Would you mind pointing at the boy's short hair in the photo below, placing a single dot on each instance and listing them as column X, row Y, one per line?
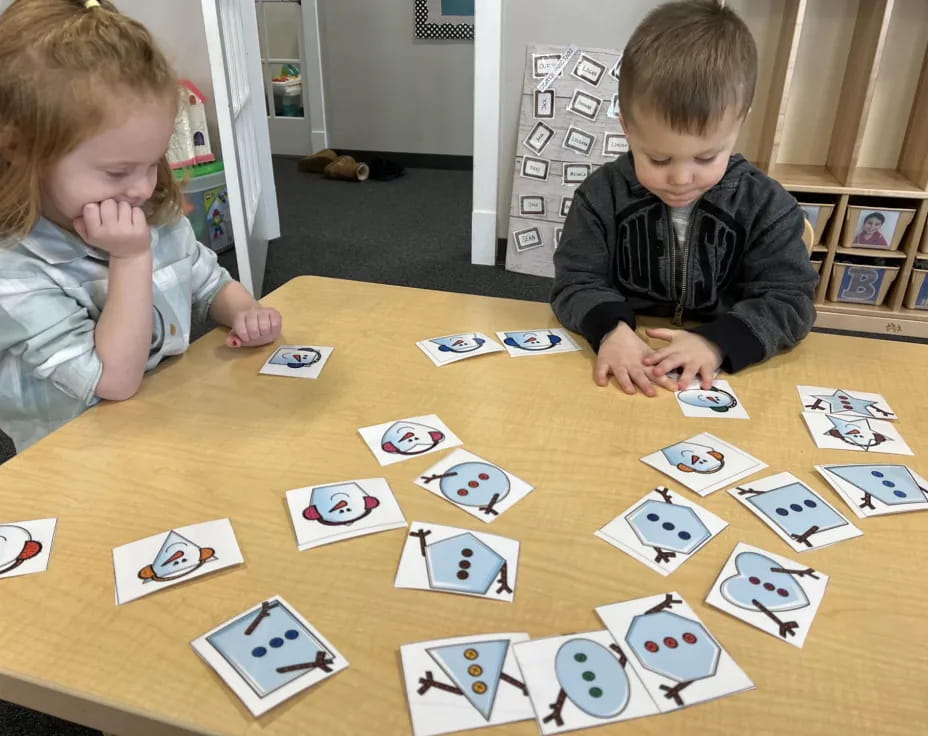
column 876, row 216
column 689, row 62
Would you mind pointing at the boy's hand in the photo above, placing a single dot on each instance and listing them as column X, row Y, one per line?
column 254, row 326
column 689, row 352
column 116, row 227
column 621, row 353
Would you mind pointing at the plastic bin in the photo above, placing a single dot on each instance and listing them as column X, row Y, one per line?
column 818, row 216
column 916, row 295
column 288, row 98
column 208, row 197
column 890, row 222
column 861, row 284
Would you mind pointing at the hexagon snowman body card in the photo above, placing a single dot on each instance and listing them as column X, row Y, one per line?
column 874, row 490
column 451, row 560
column 662, row 530
column 268, row 654
column 671, row 650
column 463, row 683
column 25, row 546
column 581, row 680
column 770, row 592
column 452, row 348
column 393, row 442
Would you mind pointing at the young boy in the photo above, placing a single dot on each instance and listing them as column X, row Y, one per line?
column 679, row 226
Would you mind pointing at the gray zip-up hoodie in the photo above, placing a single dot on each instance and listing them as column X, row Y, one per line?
column 746, row 273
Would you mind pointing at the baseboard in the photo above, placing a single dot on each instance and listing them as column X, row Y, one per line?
column 411, row 160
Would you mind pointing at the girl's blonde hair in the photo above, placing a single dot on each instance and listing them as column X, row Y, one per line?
column 60, row 62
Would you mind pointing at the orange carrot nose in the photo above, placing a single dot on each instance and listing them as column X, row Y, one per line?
column 340, row 505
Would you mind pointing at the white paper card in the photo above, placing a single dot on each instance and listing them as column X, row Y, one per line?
column 799, row 515
column 335, row 511
column 662, row 530
column 580, row 681
column 834, row 432
column 704, row 463
column 452, row 348
column 677, row 659
column 451, row 560
column 846, row 404
column 393, row 442
column 769, row 592
column 545, row 341
column 464, row 682
column 26, row 546
column 480, row 488
column 297, row 361
column 717, row 402
column 874, row 490
column 268, row 654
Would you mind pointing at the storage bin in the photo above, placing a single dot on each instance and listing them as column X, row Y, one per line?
column 881, row 228
column 860, row 284
column 208, row 202
column 817, row 263
column 288, row 98
column 916, row 295
column 818, row 216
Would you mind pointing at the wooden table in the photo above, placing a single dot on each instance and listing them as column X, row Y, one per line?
column 207, row 437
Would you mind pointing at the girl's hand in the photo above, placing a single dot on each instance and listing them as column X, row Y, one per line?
column 254, row 326
column 116, row 227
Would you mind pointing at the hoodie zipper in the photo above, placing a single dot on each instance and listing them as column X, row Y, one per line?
column 678, row 310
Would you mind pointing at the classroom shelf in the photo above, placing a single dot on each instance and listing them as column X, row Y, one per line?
column 870, row 252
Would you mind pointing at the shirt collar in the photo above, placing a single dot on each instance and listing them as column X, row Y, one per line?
column 55, row 245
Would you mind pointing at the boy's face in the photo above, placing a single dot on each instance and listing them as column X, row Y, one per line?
column 680, row 167
column 871, row 225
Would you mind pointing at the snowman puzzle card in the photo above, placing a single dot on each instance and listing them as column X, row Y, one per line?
column 162, row 560
column 474, row 485
column 393, row 442
column 26, row 546
column 662, row 530
column 463, row 683
column 799, row 516
column 769, row 592
column 296, row 361
column 704, row 463
column 268, row 654
column 848, row 404
column 581, row 680
column 452, row 348
column 451, row 560
column 716, row 402
column 336, row 511
column 874, row 490
column 669, row 648
column 545, row 341
column 833, row 432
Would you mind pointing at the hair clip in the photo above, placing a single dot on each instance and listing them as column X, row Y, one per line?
column 88, row 4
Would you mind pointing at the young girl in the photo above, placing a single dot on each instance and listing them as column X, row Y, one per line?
column 99, row 272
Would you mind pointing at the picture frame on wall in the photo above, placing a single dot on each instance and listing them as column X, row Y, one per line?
column 531, row 204
column 444, row 20
column 535, row 168
column 585, row 105
column 578, row 140
column 589, row 70
column 527, row 239
column 539, row 138
column 544, row 103
column 575, row 173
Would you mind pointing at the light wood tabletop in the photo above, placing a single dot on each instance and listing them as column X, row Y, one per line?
column 208, row 437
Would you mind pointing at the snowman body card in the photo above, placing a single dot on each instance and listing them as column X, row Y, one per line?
column 464, row 682
column 545, row 341
column 717, row 402
column 677, row 659
column 662, row 530
column 704, row 463
column 297, row 361
column 393, row 442
column 474, row 485
column 451, row 560
column 268, row 654
column 846, row 404
column 769, row 592
column 835, row 432
column 452, row 348
column 874, row 490
column 799, row 515
column 163, row 560
column 26, row 546
column 335, row 511
column 580, row 681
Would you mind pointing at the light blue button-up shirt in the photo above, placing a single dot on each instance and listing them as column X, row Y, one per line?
column 52, row 290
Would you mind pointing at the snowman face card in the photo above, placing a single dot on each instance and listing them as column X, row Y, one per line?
column 847, row 404
column 769, row 592
column 581, row 680
column 874, row 490
column 160, row 561
column 799, row 516
column 717, row 402
column 473, row 485
column 297, row 361
column 835, row 432
column 662, row 530
column 704, row 463
column 451, row 560
column 336, row 511
column 393, row 442
column 538, row 342
column 268, row 654
column 452, row 348
column 463, row 683
column 25, row 546
column 671, row 650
